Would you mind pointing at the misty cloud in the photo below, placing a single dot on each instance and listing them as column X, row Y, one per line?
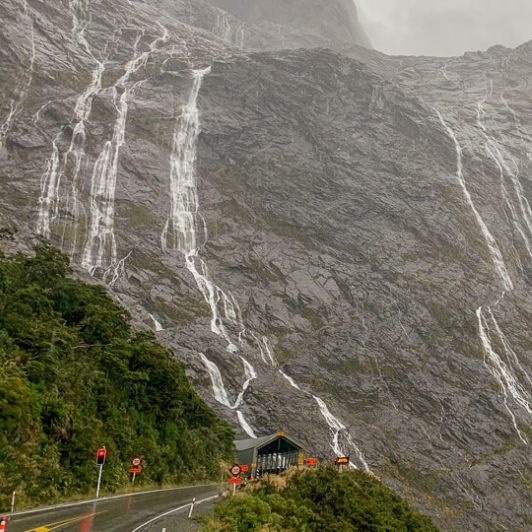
column 445, row 27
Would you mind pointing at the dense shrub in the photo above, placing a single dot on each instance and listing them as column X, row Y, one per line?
column 319, row 500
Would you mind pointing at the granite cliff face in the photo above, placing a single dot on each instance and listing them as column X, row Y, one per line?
column 335, row 242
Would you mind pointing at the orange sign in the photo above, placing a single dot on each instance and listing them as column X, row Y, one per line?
column 342, row 460
column 234, row 480
column 312, row 461
column 135, row 470
column 244, row 468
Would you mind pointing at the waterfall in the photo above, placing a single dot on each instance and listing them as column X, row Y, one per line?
column 493, row 248
column 100, row 248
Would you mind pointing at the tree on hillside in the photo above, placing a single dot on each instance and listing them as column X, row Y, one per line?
column 75, row 376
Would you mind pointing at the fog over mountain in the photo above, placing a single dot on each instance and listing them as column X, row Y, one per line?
column 443, row 27
column 336, row 243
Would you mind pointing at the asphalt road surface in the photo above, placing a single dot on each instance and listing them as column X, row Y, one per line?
column 122, row 514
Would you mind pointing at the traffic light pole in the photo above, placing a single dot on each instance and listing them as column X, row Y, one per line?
column 99, row 481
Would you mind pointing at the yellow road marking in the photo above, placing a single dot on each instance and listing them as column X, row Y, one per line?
column 59, row 524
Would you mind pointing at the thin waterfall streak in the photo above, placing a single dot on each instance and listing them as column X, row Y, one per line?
column 183, row 220
column 219, row 390
column 509, row 203
column 116, row 271
column 336, row 427
column 245, row 425
column 70, row 203
column 499, row 155
column 358, row 453
column 501, row 373
column 156, row 323
column 49, row 196
column 218, row 387
column 250, row 375
column 181, row 228
column 266, row 353
column 511, row 355
column 493, row 247
column 518, row 122
column 211, row 293
column 292, row 382
column 81, row 17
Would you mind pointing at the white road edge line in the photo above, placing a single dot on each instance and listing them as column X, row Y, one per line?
column 101, row 499
column 171, row 512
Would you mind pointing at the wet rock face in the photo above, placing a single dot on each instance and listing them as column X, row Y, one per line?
column 336, row 243
column 333, row 19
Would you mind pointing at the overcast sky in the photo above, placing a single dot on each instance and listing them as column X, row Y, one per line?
column 444, row 27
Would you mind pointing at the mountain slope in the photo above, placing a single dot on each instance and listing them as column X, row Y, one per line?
column 335, row 242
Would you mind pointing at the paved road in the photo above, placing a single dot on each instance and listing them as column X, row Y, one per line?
column 122, row 514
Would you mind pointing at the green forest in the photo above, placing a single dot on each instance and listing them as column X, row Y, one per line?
column 318, row 500
column 74, row 377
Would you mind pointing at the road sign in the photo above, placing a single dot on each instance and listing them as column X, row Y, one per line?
column 235, row 470
column 301, row 458
column 253, row 465
column 136, row 461
column 342, row 460
column 235, row 480
column 312, row 461
column 244, row 468
column 135, row 470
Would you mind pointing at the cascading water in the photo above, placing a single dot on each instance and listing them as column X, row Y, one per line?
column 503, row 371
column 156, row 323
column 185, row 230
column 503, row 365
column 493, row 247
column 336, row 427
column 185, row 222
column 49, row 198
column 50, row 201
column 100, row 248
column 504, row 162
column 181, row 232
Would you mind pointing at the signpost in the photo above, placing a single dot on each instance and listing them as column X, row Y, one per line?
column 340, row 461
column 312, row 461
column 235, row 470
column 136, row 462
column 300, row 459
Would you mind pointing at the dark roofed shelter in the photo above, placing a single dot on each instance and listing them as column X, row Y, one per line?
column 269, row 454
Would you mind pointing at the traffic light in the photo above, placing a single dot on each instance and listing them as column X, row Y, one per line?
column 100, row 456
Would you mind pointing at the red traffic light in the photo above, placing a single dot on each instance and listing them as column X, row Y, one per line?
column 100, row 456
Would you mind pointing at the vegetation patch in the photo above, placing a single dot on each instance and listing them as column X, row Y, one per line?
column 75, row 377
column 318, row 500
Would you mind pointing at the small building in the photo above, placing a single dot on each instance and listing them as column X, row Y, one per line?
column 269, row 454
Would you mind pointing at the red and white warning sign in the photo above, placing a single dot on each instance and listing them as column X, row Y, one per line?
column 235, row 470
